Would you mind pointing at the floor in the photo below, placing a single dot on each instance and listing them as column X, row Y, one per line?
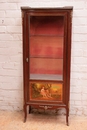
column 40, row 121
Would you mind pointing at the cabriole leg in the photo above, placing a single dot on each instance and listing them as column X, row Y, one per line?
column 25, row 112
column 67, row 115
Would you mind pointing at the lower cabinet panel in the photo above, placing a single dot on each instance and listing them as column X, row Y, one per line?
column 41, row 91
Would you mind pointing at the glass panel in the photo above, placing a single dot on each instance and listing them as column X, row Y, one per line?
column 46, row 91
column 46, row 47
column 47, row 25
column 45, row 68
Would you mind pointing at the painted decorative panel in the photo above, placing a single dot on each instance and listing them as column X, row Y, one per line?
column 46, row 91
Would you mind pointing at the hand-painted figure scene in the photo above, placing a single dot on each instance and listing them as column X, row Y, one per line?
column 43, row 91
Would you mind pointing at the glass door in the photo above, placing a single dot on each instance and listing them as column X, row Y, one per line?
column 46, row 46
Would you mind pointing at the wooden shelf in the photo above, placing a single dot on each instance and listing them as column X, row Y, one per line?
column 45, row 57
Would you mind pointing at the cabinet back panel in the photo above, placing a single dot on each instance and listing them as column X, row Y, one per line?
column 46, row 46
column 46, row 66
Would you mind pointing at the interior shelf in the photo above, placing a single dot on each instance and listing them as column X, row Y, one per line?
column 43, row 35
column 46, row 77
column 45, row 57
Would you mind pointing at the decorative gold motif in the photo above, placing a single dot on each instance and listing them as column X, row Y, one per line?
column 45, row 107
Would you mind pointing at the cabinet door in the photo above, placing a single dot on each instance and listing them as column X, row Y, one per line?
column 47, row 57
column 46, row 47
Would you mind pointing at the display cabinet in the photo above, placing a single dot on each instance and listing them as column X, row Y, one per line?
column 46, row 58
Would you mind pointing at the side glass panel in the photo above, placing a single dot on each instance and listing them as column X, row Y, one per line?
column 46, row 47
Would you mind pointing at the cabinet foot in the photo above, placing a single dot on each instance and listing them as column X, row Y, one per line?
column 67, row 115
column 24, row 120
column 67, row 123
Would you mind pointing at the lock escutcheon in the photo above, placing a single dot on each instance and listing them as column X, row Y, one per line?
column 26, row 59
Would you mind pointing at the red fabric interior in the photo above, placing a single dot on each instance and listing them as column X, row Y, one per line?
column 46, row 42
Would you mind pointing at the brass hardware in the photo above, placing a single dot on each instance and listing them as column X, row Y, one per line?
column 26, row 59
column 45, row 107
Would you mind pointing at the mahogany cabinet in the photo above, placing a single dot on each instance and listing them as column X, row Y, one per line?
column 46, row 57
